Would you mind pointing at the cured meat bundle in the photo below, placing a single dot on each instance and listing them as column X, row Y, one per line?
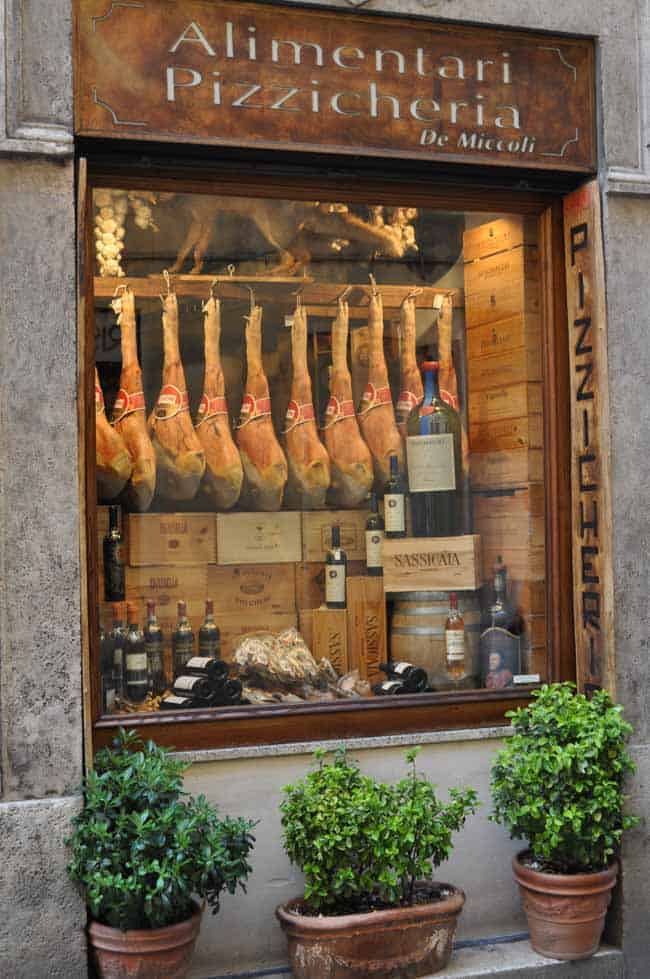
column 179, row 453
column 265, row 467
column 309, row 465
column 224, row 473
column 350, row 459
column 376, row 414
column 129, row 410
column 447, row 373
column 411, row 389
column 114, row 465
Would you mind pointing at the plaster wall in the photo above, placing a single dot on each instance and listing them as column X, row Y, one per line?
column 40, row 682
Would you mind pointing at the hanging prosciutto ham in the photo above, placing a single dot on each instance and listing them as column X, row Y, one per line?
column 128, row 416
column 179, row 454
column 265, row 466
column 309, row 466
column 224, row 473
column 376, row 414
column 114, row 466
column 411, row 389
column 350, row 459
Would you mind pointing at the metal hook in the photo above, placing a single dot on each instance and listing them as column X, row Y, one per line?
column 230, row 269
column 373, row 283
column 168, row 281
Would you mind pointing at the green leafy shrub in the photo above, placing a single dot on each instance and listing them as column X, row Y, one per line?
column 362, row 844
column 558, row 783
column 142, row 848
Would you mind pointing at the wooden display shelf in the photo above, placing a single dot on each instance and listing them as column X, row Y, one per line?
column 319, row 297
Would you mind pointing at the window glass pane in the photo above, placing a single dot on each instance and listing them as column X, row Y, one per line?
column 320, row 461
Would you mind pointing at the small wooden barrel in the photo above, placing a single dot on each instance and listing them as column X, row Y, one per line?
column 418, row 634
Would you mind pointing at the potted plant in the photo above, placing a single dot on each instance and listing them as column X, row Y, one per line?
column 146, row 853
column 367, row 850
column 558, row 783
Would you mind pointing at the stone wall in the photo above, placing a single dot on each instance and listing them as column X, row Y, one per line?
column 40, row 654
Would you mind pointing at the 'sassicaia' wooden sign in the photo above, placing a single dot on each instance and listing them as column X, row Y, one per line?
column 271, row 76
column 593, row 586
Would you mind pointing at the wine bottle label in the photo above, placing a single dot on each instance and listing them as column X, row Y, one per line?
column 374, row 540
column 394, row 513
column 455, row 645
column 199, row 662
column 392, row 686
column 186, row 682
column 430, row 460
column 118, row 657
column 136, row 661
column 109, row 697
column 177, row 701
column 401, row 668
column 334, row 583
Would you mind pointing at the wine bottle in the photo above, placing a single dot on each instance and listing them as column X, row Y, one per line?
column 106, row 672
column 374, row 539
column 455, row 640
column 389, row 688
column 182, row 641
column 197, row 687
column 501, row 631
column 227, row 694
column 136, row 675
column 174, row 702
column 395, row 501
column 414, row 678
column 433, row 455
column 117, row 638
column 336, row 564
column 209, row 635
column 154, row 648
column 215, row 670
column 114, row 589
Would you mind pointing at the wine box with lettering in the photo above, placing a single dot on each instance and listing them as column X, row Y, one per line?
column 330, row 637
column 367, row 642
column 258, row 538
column 502, row 286
column 171, row 538
column 432, row 563
column 499, row 235
column 234, row 626
column 317, row 533
column 252, row 587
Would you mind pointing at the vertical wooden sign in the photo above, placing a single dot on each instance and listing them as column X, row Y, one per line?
column 590, row 482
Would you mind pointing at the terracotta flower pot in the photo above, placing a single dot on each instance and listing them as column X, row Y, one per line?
column 566, row 912
column 147, row 953
column 400, row 943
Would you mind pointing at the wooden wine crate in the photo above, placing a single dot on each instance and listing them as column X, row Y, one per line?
column 496, row 470
column 330, row 637
column 498, row 236
column 252, row 587
column 235, row 625
column 317, row 533
column 432, row 564
column 306, row 626
column 523, row 563
column 310, row 582
column 259, row 538
column 500, row 520
column 509, row 433
column 512, row 502
column 367, row 640
column 504, row 337
column 505, row 401
column 536, row 630
column 171, row 538
column 504, row 368
column 502, row 286
column 529, row 596
column 167, row 585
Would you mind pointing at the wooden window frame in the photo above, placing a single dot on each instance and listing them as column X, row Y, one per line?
column 251, row 725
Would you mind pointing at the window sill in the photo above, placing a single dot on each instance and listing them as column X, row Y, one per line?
column 246, row 726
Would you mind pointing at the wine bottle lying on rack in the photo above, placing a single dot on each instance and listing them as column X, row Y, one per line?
column 173, row 702
column 414, row 678
column 197, row 687
column 389, row 688
column 215, row 670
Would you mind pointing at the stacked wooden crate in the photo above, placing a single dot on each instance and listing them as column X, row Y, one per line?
column 504, row 380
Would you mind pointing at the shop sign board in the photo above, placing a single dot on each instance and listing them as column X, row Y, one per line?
column 277, row 77
column 587, row 325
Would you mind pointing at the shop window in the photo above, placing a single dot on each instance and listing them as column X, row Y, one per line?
column 281, row 383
